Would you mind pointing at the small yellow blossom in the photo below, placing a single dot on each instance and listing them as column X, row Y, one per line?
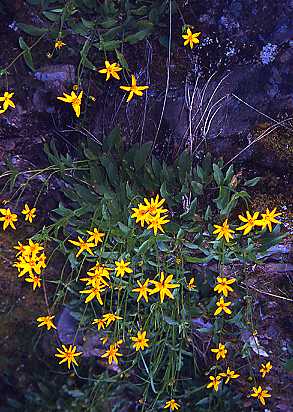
column 223, row 285
column 191, row 38
column 122, row 268
column 35, row 280
column 111, row 70
column 46, row 321
column 191, row 284
column 94, row 292
column 250, row 222
column 154, row 206
column 140, row 341
column 140, row 213
column 260, row 394
column 172, row 405
column 74, row 100
column 156, row 222
column 133, row 89
column 59, row 44
column 104, row 340
column 220, row 352
column 8, row 218
column 100, row 323
column 112, row 354
column 143, row 290
column 268, row 218
column 83, row 245
column 33, row 248
column 222, row 306
column 111, row 317
column 7, row 102
column 215, row 382
column 229, row 374
column 163, row 285
column 265, row 368
column 30, row 214
column 95, row 236
column 224, row 231
column 68, row 355
column 21, row 249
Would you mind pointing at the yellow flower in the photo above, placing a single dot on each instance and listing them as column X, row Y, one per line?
column 191, row 284
column 221, row 351
column 223, row 285
column 268, row 218
column 260, row 394
column 140, row 213
column 215, row 382
column 95, row 236
column 163, row 286
column 222, row 306
column 111, row 70
column 68, row 355
column 265, row 368
column 83, row 245
column 111, row 317
column 94, row 292
column 133, row 89
column 21, row 249
column 30, row 214
column 104, row 340
column 229, row 374
column 59, row 43
column 46, row 321
column 6, row 99
column 223, row 231
column 100, row 323
column 156, row 222
column 28, row 264
column 122, row 268
column 96, row 278
column 143, row 290
column 74, row 100
column 112, row 354
column 172, row 405
column 33, row 248
column 154, row 206
column 250, row 222
column 35, row 280
column 8, row 218
column 190, row 38
column 141, row 342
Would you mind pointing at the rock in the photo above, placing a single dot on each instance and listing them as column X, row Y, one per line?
column 56, row 78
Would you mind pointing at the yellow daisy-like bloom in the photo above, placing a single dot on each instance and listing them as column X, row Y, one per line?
column 95, row 236
column 140, row 341
column 112, row 354
column 74, row 100
column 8, row 218
column 220, row 352
column 154, row 206
column 111, row 317
column 59, row 44
column 7, row 102
column 83, row 245
column 223, row 285
column 46, row 321
column 191, row 284
column 35, row 280
column 222, row 306
column 172, row 405
column 122, row 268
column 30, row 214
column 250, row 222
column 268, row 218
column 143, row 290
column 229, row 374
column 260, row 394
column 21, row 249
column 191, row 38
column 215, row 382
column 133, row 89
column 33, row 248
column 162, row 287
column 224, row 231
column 140, row 214
column 28, row 264
column 111, row 70
column 100, row 323
column 156, row 222
column 68, row 355
column 94, row 292
column 265, row 368
column 104, row 340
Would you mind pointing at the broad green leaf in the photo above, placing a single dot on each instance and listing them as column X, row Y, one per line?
column 27, row 53
column 32, row 30
column 252, row 182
